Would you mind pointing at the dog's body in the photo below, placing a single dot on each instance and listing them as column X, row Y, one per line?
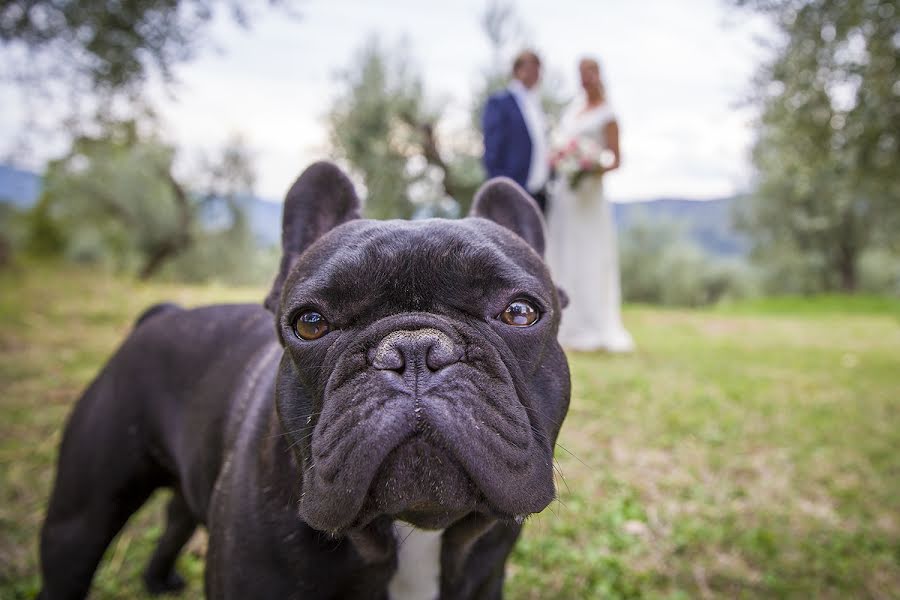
column 381, row 387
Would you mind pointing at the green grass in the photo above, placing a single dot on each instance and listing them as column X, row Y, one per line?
column 825, row 304
column 747, row 451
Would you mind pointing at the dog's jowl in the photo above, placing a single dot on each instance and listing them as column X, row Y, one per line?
column 401, row 383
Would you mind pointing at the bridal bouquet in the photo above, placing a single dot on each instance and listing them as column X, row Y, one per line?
column 579, row 157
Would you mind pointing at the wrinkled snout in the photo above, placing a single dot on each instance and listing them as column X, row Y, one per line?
column 402, row 351
column 422, row 422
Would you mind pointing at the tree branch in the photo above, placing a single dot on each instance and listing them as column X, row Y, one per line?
column 431, row 151
column 180, row 238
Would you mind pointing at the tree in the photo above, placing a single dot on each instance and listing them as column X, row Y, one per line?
column 115, row 44
column 114, row 198
column 97, row 55
column 223, row 245
column 828, row 141
column 385, row 128
column 367, row 131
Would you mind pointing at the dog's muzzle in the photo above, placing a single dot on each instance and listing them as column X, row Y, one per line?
column 402, row 351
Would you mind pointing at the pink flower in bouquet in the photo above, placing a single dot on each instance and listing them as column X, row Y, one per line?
column 556, row 158
column 576, row 159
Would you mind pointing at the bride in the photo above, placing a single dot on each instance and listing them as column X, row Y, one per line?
column 581, row 244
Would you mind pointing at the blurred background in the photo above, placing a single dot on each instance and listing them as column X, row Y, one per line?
column 748, row 449
column 194, row 117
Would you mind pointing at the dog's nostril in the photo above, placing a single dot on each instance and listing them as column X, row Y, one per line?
column 440, row 355
column 428, row 347
column 388, row 359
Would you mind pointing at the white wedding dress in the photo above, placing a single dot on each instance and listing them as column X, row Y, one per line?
column 581, row 247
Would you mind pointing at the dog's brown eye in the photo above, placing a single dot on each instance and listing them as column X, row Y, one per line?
column 520, row 314
column 310, row 325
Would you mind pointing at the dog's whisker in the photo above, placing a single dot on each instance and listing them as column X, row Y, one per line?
column 575, row 457
column 550, row 508
column 299, row 441
column 406, row 537
column 537, row 410
column 558, row 469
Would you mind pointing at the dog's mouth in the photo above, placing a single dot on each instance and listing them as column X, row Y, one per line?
column 426, row 446
column 421, row 483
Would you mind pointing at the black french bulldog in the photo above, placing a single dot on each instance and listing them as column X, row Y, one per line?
column 401, row 375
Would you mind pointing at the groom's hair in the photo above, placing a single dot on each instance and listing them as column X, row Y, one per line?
column 525, row 55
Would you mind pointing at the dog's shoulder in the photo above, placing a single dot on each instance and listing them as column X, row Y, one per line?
column 154, row 310
column 216, row 325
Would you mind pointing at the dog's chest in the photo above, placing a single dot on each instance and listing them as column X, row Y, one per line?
column 418, row 575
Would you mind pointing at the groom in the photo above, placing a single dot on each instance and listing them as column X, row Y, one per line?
column 515, row 130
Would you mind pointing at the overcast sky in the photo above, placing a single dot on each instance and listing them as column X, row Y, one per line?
column 676, row 73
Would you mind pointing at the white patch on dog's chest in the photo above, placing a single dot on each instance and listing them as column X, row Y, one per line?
column 418, row 575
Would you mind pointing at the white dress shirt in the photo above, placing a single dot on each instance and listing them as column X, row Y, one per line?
column 529, row 102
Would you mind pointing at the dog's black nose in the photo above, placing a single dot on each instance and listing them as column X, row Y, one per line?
column 407, row 349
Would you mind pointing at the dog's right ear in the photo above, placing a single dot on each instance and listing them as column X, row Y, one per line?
column 322, row 198
column 503, row 201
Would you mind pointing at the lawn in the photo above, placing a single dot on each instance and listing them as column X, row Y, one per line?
column 747, row 451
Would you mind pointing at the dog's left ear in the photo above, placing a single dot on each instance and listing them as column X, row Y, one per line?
column 322, row 198
column 504, row 202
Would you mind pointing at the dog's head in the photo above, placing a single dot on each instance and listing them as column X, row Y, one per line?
column 421, row 377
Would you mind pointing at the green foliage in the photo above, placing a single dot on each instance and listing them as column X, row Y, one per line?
column 369, row 127
column 786, row 272
column 660, row 265
column 229, row 256
column 743, row 452
column 879, row 272
column 115, row 45
column 223, row 247
column 112, row 200
column 12, row 233
column 385, row 128
column 828, row 143
column 44, row 236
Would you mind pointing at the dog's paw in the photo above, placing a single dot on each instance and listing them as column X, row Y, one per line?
column 170, row 584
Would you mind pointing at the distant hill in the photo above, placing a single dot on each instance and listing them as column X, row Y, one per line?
column 707, row 222
column 19, row 188
column 265, row 221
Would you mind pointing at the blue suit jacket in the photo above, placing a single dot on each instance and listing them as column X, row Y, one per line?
column 507, row 143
